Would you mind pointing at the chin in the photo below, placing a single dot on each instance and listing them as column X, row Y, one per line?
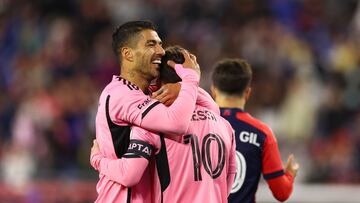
column 155, row 75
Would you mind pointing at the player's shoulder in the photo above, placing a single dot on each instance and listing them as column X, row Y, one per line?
column 255, row 122
column 213, row 116
column 228, row 126
column 122, row 89
column 119, row 85
column 225, row 122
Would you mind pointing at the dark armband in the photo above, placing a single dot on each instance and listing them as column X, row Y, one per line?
column 139, row 148
column 273, row 174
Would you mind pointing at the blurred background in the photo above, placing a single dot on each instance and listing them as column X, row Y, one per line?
column 56, row 57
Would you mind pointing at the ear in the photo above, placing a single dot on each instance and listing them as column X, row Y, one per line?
column 247, row 93
column 213, row 91
column 127, row 54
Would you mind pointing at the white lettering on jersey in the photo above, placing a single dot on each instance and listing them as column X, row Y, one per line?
column 249, row 137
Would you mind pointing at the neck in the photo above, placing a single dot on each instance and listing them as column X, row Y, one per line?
column 136, row 79
column 227, row 101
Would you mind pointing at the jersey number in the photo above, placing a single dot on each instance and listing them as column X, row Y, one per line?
column 204, row 157
column 240, row 172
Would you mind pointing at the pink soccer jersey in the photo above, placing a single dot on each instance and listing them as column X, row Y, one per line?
column 202, row 169
column 205, row 100
column 123, row 104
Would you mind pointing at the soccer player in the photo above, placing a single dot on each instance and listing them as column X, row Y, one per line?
column 124, row 101
column 256, row 146
column 202, row 169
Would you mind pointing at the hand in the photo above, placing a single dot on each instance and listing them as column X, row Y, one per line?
column 95, row 155
column 95, row 149
column 291, row 166
column 190, row 62
column 168, row 93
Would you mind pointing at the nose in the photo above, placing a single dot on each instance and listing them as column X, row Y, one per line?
column 160, row 50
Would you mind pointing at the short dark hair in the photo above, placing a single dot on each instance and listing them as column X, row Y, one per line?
column 167, row 73
column 125, row 34
column 232, row 76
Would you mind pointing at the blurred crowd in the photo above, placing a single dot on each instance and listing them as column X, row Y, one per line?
column 56, row 56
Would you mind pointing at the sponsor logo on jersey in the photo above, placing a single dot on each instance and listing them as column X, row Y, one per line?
column 145, row 103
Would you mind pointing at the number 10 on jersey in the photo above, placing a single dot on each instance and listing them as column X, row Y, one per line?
column 205, row 155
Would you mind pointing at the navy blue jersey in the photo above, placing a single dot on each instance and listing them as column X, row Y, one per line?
column 256, row 152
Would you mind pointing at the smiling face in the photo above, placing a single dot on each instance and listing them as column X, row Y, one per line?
column 147, row 54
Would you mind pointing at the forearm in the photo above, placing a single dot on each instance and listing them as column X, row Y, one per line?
column 125, row 171
column 282, row 186
column 176, row 118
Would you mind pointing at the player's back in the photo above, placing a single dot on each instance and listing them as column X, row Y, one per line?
column 199, row 167
column 253, row 154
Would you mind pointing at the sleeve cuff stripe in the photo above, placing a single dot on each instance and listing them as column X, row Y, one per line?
column 274, row 174
column 149, row 108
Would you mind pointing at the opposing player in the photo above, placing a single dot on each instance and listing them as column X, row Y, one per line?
column 201, row 169
column 256, row 147
column 124, row 101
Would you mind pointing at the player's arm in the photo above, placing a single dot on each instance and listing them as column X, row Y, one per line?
column 280, row 182
column 118, row 170
column 129, row 169
column 282, row 186
column 168, row 93
column 175, row 118
column 139, row 109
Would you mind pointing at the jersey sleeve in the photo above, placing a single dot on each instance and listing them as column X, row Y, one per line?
column 129, row 169
column 205, row 100
column 282, row 186
column 136, row 108
column 280, row 183
column 271, row 160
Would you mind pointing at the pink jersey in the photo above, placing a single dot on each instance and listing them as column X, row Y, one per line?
column 123, row 104
column 202, row 169
column 205, row 100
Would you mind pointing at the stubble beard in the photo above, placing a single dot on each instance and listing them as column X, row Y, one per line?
column 146, row 71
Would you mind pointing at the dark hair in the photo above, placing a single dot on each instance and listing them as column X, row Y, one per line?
column 125, row 34
column 232, row 76
column 167, row 73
